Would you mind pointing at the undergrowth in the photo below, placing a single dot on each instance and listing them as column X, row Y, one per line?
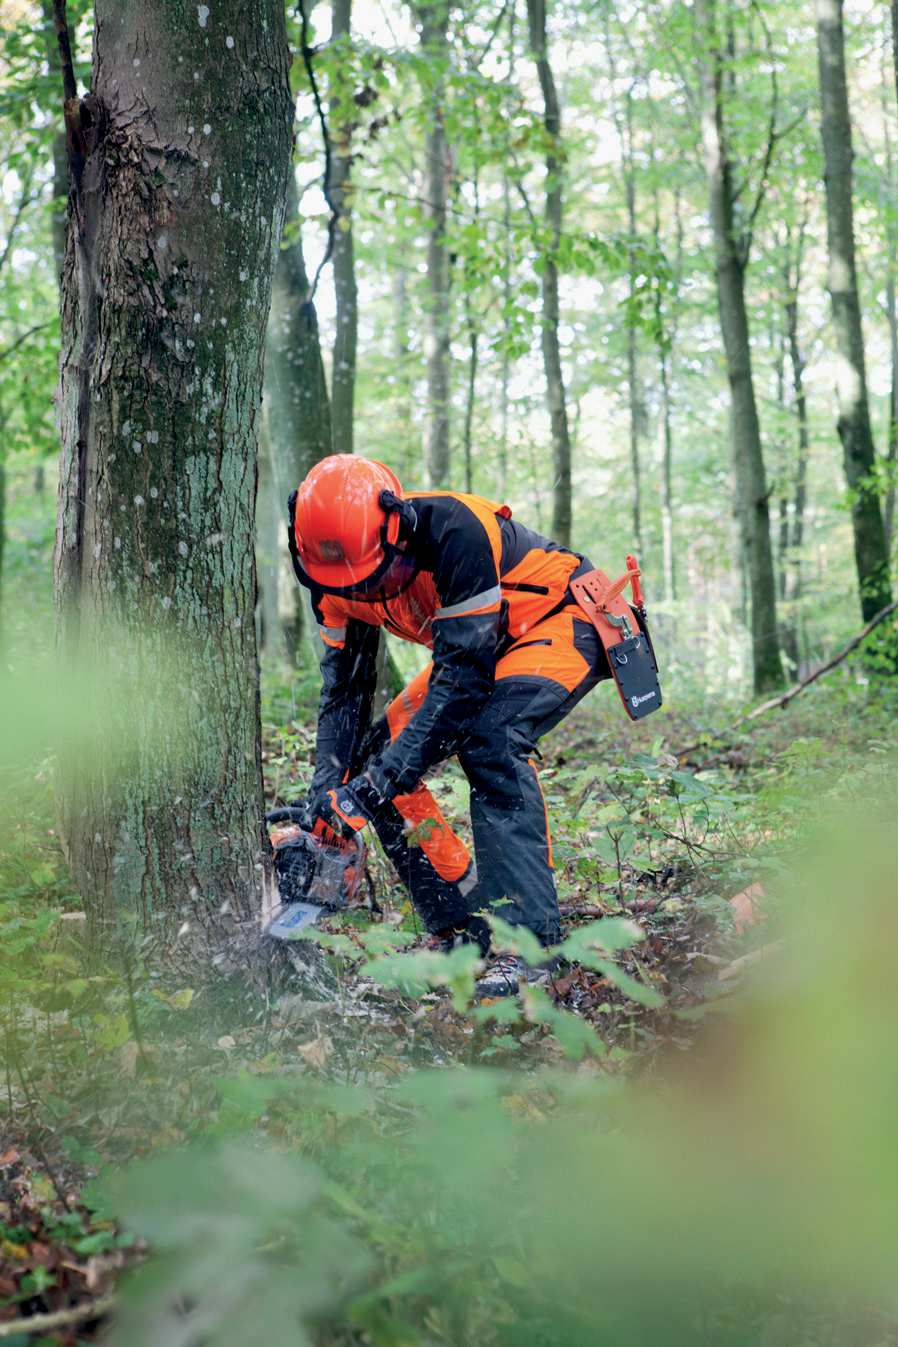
column 333, row 1159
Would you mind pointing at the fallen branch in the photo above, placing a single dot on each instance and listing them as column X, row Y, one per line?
column 786, row 697
column 48, row 1323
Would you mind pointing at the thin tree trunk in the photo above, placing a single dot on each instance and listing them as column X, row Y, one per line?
column 891, row 463
column 299, row 414
column 892, row 439
column 408, row 465
column 161, row 371
column 797, row 362
column 345, row 288
column 505, row 373
column 473, row 354
column 778, row 346
column 665, row 335
column 270, row 516
column 60, row 191
column 2, row 540
column 297, row 407
column 507, row 296
column 748, row 461
column 633, row 391
column 855, row 432
column 623, row 126
column 433, row 17
column 554, row 214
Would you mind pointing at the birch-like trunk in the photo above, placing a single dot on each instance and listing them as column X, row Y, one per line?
column 433, row 17
column 751, row 496
column 165, row 294
column 554, row 215
column 855, row 431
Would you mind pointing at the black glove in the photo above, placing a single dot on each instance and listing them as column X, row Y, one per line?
column 354, row 804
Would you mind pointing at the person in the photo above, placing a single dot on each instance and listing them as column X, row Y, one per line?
column 513, row 654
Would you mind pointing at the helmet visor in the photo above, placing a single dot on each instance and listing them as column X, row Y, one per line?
column 386, row 583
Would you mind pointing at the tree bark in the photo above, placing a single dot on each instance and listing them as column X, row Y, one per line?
column 343, row 260
column 855, row 432
column 270, row 518
column 433, row 17
column 297, row 407
column 296, row 397
column 751, row 498
column 178, row 207
column 554, row 214
column 891, row 232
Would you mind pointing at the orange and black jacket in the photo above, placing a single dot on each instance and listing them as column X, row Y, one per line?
column 478, row 580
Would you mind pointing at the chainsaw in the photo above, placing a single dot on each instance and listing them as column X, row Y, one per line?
column 317, row 871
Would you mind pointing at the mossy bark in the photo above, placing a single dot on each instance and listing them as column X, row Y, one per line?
column 855, row 431
column 177, row 211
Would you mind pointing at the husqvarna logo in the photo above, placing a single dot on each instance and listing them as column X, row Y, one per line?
column 646, row 697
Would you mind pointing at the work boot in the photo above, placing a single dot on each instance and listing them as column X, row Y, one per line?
column 505, row 973
column 474, row 932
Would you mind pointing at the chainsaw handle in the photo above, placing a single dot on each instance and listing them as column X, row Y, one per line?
column 289, row 813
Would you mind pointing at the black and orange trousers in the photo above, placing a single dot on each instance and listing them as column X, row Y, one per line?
column 539, row 679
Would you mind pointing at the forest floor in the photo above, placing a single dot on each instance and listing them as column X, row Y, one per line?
column 658, row 825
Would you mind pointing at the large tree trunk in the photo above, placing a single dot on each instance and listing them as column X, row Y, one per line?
column 554, row 212
column 166, row 289
column 433, row 17
column 343, row 258
column 871, row 556
column 751, row 499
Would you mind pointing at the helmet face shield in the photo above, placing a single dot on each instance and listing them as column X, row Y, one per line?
column 395, row 573
column 399, row 574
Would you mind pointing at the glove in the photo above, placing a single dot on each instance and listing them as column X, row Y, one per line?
column 353, row 805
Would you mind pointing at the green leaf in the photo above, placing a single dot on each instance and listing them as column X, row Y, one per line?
column 516, row 939
column 608, row 933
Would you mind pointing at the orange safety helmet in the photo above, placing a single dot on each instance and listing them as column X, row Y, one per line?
column 346, row 522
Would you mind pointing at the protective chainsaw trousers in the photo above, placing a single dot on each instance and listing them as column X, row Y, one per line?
column 539, row 679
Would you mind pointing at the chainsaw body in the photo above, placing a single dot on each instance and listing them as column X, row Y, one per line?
column 316, row 871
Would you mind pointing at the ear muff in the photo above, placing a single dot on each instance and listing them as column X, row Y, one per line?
column 402, row 517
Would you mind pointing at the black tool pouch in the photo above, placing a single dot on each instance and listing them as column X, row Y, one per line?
column 635, row 671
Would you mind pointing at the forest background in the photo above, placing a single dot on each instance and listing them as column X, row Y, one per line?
column 633, row 270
